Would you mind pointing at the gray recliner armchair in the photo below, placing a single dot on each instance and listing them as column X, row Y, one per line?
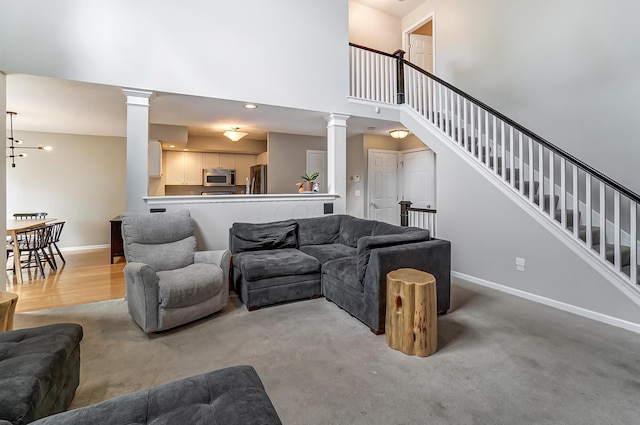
column 168, row 282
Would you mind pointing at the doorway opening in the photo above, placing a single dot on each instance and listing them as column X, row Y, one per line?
column 419, row 43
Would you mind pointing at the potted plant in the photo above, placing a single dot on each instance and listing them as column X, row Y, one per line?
column 306, row 185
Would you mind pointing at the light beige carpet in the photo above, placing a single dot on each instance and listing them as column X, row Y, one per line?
column 501, row 360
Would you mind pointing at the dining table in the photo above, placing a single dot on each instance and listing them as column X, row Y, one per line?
column 13, row 228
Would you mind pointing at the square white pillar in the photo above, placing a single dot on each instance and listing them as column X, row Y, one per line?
column 137, row 148
column 337, row 160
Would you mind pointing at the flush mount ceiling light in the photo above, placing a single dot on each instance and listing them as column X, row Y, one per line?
column 13, row 142
column 250, row 106
column 399, row 134
column 234, row 135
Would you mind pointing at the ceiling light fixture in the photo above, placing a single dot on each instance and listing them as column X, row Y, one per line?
column 250, row 106
column 399, row 134
column 12, row 146
column 234, row 135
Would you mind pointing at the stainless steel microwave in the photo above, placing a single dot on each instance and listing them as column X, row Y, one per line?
column 218, row 177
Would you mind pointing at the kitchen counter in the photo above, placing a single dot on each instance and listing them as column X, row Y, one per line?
column 238, row 198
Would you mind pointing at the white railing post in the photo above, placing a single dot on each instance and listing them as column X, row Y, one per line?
column 603, row 221
column 588, row 212
column 563, row 192
column 617, row 261
column 633, row 233
column 576, row 198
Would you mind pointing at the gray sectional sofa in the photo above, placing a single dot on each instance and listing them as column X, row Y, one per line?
column 341, row 257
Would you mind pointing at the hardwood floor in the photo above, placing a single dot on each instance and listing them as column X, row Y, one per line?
column 87, row 277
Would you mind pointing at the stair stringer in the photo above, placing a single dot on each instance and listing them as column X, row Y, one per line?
column 411, row 119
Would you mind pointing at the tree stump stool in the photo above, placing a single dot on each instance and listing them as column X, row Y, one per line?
column 8, row 301
column 411, row 318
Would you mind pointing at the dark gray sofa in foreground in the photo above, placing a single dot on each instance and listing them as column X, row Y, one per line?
column 231, row 396
column 344, row 258
column 39, row 371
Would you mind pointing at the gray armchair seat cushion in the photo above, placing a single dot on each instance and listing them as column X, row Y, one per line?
column 189, row 285
column 329, row 252
column 231, row 396
column 257, row 265
column 39, row 371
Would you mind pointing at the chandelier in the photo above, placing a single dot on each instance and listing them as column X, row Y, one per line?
column 12, row 146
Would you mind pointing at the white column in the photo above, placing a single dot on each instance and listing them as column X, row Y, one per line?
column 337, row 160
column 137, row 148
column 3, row 165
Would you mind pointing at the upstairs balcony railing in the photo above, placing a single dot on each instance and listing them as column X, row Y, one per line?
column 598, row 212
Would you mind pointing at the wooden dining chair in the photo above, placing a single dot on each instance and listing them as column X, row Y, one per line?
column 55, row 230
column 33, row 243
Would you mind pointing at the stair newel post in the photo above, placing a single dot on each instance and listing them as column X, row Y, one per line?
column 399, row 54
column 404, row 213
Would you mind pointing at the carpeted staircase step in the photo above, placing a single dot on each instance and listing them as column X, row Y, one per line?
column 569, row 213
column 627, row 270
column 625, row 253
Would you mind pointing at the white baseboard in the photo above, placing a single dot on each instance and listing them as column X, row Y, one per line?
column 84, row 248
column 614, row 321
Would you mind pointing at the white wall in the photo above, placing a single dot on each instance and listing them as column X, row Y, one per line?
column 566, row 70
column 81, row 181
column 3, row 174
column 372, row 28
column 273, row 52
column 288, row 159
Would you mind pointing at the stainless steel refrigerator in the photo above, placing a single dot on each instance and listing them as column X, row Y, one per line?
column 258, row 178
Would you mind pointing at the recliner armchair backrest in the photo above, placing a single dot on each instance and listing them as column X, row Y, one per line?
column 164, row 241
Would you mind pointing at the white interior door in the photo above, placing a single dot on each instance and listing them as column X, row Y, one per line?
column 383, row 186
column 418, row 178
column 317, row 162
column 421, row 51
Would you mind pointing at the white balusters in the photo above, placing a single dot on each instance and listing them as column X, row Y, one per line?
column 552, row 186
column 588, row 212
column 563, row 192
column 531, row 168
column 603, row 222
column 617, row 261
column 512, row 163
column 521, row 161
column 633, row 237
column 503, row 151
column 576, row 198
column 541, row 177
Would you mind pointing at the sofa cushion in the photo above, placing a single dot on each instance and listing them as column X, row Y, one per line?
column 190, row 285
column 318, row 230
column 256, row 265
column 343, row 269
column 367, row 243
column 263, row 236
column 382, row 228
column 231, row 396
column 352, row 229
column 39, row 369
column 328, row 252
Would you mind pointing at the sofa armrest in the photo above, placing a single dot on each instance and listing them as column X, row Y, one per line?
column 142, row 294
column 433, row 256
column 220, row 258
column 368, row 243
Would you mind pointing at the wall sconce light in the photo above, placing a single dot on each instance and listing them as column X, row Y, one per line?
column 399, row 134
column 12, row 146
column 234, row 135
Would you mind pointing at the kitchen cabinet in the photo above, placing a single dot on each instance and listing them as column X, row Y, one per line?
column 183, row 168
column 219, row 160
column 243, row 163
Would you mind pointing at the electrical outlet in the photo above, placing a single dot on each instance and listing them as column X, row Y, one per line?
column 520, row 264
column 356, row 179
column 357, row 192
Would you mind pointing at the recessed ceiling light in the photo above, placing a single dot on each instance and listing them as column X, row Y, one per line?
column 250, row 106
column 185, row 149
column 172, row 146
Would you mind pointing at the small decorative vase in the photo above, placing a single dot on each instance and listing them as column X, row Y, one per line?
column 307, row 186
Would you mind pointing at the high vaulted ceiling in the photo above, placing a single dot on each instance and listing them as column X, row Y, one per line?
column 59, row 106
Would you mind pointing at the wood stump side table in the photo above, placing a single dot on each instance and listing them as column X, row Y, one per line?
column 8, row 301
column 411, row 319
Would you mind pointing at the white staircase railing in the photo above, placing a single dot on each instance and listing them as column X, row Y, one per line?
column 596, row 211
